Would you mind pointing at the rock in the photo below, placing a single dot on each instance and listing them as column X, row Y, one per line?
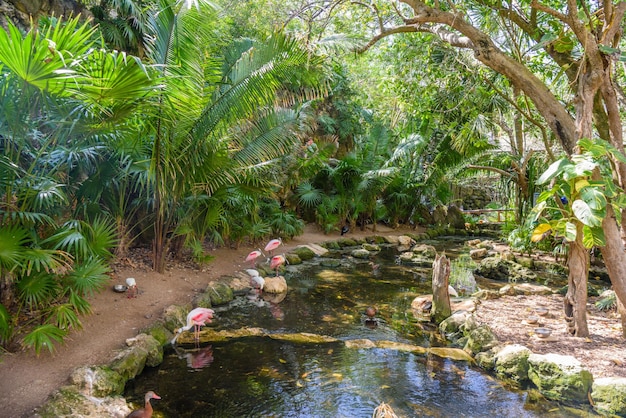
column 525, row 289
column 330, row 262
column 293, row 259
column 275, row 284
column 220, row 293
column 560, row 378
column 98, row 381
column 68, row 402
column 424, row 250
column 495, row 268
column 478, row 253
column 609, row 395
column 455, row 218
column 451, row 326
column 511, row 363
column 143, row 350
column 175, row 316
column 360, row 253
column 305, row 252
column 346, row 242
column 371, row 247
column 480, row 339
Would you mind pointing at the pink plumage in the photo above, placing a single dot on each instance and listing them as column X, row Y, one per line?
column 253, row 256
column 277, row 261
column 273, row 244
column 197, row 318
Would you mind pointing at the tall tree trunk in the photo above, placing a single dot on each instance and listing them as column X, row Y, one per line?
column 441, row 297
column 615, row 258
column 575, row 302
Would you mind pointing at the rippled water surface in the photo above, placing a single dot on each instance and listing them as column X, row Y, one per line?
column 262, row 377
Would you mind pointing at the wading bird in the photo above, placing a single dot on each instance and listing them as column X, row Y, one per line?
column 252, row 257
column 196, row 318
column 256, row 281
column 273, row 244
column 146, row 411
column 277, row 261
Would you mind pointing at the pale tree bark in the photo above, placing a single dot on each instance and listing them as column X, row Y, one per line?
column 575, row 301
column 595, row 102
column 441, row 297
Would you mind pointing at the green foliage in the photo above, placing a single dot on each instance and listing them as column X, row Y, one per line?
column 43, row 336
column 461, row 274
column 607, row 303
column 579, row 201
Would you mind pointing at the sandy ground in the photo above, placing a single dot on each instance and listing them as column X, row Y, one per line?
column 26, row 380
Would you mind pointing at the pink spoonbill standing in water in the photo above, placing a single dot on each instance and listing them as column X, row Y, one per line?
column 252, row 257
column 273, row 244
column 277, row 261
column 196, row 318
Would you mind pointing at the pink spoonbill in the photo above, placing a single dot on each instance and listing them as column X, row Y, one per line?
column 146, row 411
column 196, row 318
column 273, row 244
column 277, row 261
column 252, row 257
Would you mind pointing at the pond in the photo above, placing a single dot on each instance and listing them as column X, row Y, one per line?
column 263, row 377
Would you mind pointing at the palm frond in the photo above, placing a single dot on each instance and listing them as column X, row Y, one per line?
column 87, row 277
column 43, row 336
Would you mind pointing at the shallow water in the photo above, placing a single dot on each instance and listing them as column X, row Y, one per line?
column 261, row 377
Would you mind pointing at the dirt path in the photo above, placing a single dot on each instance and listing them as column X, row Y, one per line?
column 26, row 381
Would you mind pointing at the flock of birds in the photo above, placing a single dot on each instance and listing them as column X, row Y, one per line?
column 199, row 317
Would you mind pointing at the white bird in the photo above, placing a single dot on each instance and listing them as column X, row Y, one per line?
column 132, row 287
column 252, row 272
column 257, row 282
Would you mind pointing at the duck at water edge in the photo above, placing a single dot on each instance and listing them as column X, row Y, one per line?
column 146, row 411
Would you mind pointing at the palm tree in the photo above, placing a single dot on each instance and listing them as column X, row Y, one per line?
column 215, row 122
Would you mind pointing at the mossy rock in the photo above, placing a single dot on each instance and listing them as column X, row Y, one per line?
column 331, row 245
column 560, row 378
column 100, row 381
column 609, row 395
column 175, row 316
column 480, row 339
column 330, row 262
column 220, row 293
column 360, row 253
column 377, row 239
column 304, row 253
column 346, row 242
column 203, row 300
column 371, row 247
column 69, row 402
column 159, row 332
column 144, row 350
column 511, row 364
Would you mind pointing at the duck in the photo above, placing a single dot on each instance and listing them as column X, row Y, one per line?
column 146, row 411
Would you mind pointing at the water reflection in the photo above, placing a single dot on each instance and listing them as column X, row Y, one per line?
column 261, row 377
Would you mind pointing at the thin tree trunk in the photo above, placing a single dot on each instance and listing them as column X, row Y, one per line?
column 575, row 302
column 441, row 297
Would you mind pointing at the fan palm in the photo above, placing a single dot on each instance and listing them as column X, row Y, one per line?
column 215, row 122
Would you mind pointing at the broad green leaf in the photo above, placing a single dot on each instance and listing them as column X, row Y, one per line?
column 593, row 237
column 536, row 211
column 554, row 170
column 545, row 195
column 594, row 198
column 540, row 231
column 570, row 231
column 43, row 336
column 584, row 213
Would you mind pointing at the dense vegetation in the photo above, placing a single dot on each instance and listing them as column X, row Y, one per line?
column 176, row 125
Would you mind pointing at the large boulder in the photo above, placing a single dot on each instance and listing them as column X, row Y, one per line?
column 98, row 381
column 361, row 253
column 275, row 284
column 306, row 252
column 220, row 293
column 143, row 350
column 560, row 378
column 609, row 395
column 69, row 402
column 511, row 363
column 496, row 268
